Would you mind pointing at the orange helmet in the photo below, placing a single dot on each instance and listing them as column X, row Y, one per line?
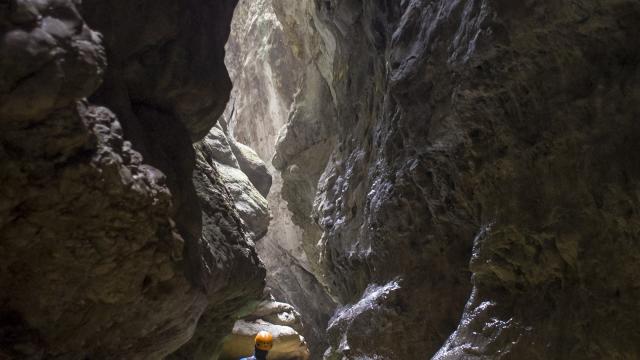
column 264, row 341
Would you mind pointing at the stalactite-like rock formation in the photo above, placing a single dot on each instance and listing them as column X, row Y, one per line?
column 108, row 249
column 476, row 152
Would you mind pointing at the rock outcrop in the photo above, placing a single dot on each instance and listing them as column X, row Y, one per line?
column 226, row 155
column 255, row 169
column 460, row 176
column 423, row 125
column 108, row 249
column 219, row 153
column 234, row 215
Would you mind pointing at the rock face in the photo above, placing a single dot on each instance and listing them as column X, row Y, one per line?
column 220, row 156
column 255, row 169
column 423, row 125
column 108, row 249
column 267, row 73
column 226, row 155
column 234, row 215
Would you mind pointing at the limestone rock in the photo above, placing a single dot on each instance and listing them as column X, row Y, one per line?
column 267, row 72
column 173, row 60
column 106, row 252
column 366, row 328
column 278, row 313
column 229, row 247
column 281, row 320
column 461, row 120
column 220, row 150
column 249, row 203
column 217, row 146
column 49, row 58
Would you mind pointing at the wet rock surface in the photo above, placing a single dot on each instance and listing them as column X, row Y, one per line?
column 429, row 124
column 109, row 250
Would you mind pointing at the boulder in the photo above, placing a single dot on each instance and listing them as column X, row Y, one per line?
column 281, row 320
column 253, row 167
column 217, row 148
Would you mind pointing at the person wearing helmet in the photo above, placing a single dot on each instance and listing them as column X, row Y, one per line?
column 264, row 343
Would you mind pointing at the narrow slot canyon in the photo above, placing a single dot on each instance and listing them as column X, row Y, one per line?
column 267, row 75
column 359, row 179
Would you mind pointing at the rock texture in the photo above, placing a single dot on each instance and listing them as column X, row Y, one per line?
column 267, row 73
column 234, row 215
column 423, row 125
column 220, row 156
column 108, row 249
column 281, row 320
column 461, row 176
column 225, row 155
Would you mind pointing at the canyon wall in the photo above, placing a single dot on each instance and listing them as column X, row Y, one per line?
column 454, row 179
column 267, row 74
column 464, row 174
column 108, row 248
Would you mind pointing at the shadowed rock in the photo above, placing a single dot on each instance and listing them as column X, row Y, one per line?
column 281, row 320
column 106, row 252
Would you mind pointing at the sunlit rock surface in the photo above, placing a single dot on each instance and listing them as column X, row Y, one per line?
column 267, row 73
column 219, row 157
column 234, row 215
column 108, row 249
column 255, row 169
column 423, row 125
column 281, row 320
column 226, row 155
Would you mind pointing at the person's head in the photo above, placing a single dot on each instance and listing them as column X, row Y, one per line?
column 264, row 341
